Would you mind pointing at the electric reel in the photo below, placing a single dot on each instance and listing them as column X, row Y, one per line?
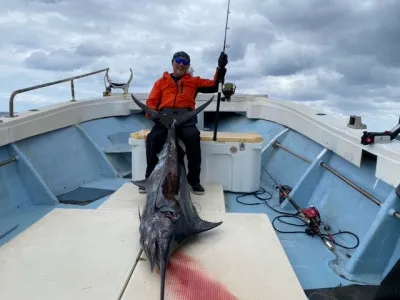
column 314, row 218
column 228, row 90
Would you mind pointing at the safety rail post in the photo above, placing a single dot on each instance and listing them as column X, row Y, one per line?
column 35, row 87
column 72, row 90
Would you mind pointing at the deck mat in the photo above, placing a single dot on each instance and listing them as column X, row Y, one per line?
column 350, row 292
column 389, row 289
column 83, row 195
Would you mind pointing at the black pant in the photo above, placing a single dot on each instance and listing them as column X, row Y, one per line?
column 190, row 136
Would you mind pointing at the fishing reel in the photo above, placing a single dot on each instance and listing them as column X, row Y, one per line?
column 228, row 90
column 312, row 214
column 314, row 218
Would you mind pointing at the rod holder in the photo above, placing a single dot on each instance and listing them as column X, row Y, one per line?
column 355, row 122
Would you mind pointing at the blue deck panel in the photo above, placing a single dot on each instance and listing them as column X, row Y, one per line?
column 57, row 162
column 76, row 160
column 308, row 255
column 23, row 217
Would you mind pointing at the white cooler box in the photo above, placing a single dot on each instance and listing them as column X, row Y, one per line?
column 234, row 160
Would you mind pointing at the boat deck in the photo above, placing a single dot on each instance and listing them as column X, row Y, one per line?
column 93, row 254
column 73, row 153
column 70, row 254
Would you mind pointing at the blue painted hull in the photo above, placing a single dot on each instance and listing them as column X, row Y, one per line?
column 94, row 155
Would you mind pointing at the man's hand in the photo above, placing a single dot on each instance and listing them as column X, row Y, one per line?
column 222, row 60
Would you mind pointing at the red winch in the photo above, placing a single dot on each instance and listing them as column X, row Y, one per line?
column 312, row 213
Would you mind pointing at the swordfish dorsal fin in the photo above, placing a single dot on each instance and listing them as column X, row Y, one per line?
column 166, row 120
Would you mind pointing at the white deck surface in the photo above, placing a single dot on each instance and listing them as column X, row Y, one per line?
column 128, row 197
column 71, row 254
column 241, row 259
column 89, row 254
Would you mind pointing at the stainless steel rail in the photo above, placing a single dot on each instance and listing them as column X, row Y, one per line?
column 8, row 161
column 35, row 87
column 350, row 183
column 277, row 144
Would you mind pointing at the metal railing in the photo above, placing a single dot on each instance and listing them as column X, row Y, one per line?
column 350, row 183
column 277, row 144
column 396, row 214
column 8, row 161
column 35, row 87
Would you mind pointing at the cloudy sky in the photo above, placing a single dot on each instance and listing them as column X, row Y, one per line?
column 342, row 55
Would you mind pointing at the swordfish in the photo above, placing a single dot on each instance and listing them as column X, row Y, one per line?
column 169, row 217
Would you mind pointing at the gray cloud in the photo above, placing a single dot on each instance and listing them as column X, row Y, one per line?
column 342, row 54
column 67, row 60
column 90, row 50
column 56, row 60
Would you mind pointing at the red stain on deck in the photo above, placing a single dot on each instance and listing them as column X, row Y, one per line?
column 188, row 281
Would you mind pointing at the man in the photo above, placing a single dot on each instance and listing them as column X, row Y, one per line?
column 176, row 93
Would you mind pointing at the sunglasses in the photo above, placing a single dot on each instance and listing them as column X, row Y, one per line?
column 179, row 60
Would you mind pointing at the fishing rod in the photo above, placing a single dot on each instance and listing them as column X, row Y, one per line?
column 220, row 83
column 309, row 215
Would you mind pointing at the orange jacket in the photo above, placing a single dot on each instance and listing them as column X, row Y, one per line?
column 181, row 94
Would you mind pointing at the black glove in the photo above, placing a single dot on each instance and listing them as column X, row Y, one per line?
column 221, row 74
column 222, row 60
